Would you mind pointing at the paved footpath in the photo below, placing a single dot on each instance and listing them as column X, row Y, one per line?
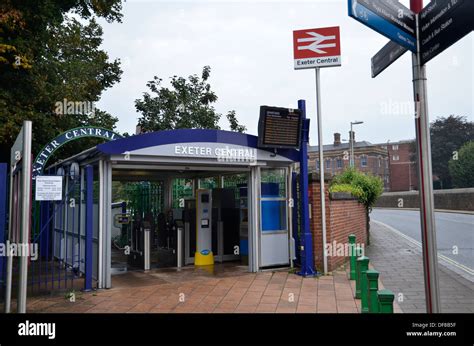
column 400, row 265
column 195, row 290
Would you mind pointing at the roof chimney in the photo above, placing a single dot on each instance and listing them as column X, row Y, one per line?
column 337, row 139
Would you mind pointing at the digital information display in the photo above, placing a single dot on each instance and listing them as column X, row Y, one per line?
column 279, row 127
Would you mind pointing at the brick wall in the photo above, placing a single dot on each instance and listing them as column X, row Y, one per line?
column 344, row 215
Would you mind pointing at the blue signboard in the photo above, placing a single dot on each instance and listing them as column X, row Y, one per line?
column 384, row 22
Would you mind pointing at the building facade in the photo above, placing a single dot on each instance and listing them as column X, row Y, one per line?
column 368, row 158
column 403, row 173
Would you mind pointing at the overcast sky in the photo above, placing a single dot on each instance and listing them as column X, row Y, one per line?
column 248, row 45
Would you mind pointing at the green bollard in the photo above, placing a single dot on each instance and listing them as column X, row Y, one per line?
column 364, row 285
column 357, row 278
column 385, row 298
column 353, row 256
column 373, row 278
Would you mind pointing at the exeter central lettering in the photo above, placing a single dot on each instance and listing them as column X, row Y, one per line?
column 64, row 138
column 192, row 150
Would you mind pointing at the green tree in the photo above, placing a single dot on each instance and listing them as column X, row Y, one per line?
column 187, row 104
column 51, row 56
column 448, row 134
column 461, row 167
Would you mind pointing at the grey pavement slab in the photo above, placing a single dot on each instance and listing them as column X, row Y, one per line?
column 400, row 265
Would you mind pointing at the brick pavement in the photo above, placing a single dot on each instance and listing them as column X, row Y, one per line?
column 196, row 290
column 401, row 269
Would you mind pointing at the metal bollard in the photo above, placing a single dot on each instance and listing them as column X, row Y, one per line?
column 353, row 256
column 357, row 295
column 385, row 298
column 364, row 285
column 373, row 279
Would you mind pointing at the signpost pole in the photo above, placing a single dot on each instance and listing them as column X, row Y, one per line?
column 321, row 167
column 423, row 144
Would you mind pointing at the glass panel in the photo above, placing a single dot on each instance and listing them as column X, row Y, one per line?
column 273, row 216
column 271, row 178
column 273, row 200
column 182, row 189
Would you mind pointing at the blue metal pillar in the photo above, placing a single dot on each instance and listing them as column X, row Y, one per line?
column 3, row 214
column 89, row 227
column 306, row 246
column 296, row 233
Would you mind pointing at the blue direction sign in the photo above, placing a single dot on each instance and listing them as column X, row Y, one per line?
column 387, row 17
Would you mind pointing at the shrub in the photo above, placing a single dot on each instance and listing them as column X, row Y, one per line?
column 367, row 188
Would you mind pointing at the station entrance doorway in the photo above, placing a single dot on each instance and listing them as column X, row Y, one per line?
column 159, row 207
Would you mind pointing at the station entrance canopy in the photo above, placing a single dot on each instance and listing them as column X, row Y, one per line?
column 255, row 210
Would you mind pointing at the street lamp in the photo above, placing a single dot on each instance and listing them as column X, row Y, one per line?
column 351, row 142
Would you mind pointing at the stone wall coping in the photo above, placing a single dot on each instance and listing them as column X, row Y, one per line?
column 395, row 193
column 341, row 196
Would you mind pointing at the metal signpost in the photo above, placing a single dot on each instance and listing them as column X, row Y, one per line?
column 439, row 25
column 316, row 48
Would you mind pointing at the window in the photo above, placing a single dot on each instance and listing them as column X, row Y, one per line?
column 317, row 165
column 339, row 163
column 395, row 147
column 328, row 163
column 395, row 158
column 363, row 161
column 380, row 162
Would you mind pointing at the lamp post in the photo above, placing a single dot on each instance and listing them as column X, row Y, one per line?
column 351, row 142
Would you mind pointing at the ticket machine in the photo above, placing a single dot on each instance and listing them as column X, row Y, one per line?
column 203, row 255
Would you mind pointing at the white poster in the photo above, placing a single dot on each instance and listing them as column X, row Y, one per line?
column 49, row 188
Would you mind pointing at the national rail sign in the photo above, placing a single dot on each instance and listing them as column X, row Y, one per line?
column 387, row 17
column 385, row 57
column 279, row 127
column 319, row 47
column 442, row 23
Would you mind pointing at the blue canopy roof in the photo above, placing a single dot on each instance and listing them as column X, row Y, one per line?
column 150, row 139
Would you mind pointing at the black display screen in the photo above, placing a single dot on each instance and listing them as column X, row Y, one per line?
column 279, row 127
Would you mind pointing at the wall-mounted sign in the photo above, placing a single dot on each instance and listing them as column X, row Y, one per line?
column 65, row 137
column 279, row 127
column 49, row 188
column 319, row 47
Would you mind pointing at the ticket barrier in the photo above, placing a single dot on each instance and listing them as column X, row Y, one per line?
column 218, row 226
column 140, row 245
